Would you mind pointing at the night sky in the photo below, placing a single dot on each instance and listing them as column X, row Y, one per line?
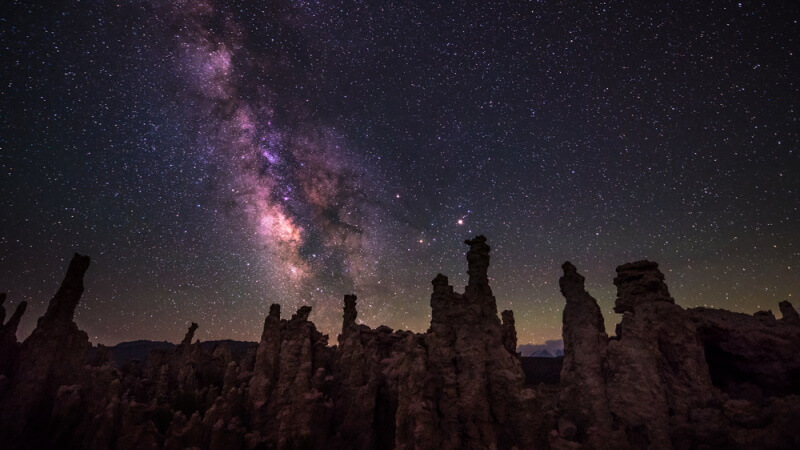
column 214, row 157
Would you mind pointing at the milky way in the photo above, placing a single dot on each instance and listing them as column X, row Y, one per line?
column 214, row 157
column 289, row 176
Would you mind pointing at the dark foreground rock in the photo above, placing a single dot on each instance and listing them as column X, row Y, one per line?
column 673, row 378
column 668, row 378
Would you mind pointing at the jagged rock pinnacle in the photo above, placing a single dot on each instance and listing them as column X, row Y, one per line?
column 442, row 299
column 8, row 337
column 478, row 264
column 509, row 332
column 350, row 312
column 62, row 306
column 10, row 328
column 187, row 339
column 583, row 399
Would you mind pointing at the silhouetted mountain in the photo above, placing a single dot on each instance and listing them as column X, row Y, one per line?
column 140, row 350
column 137, row 350
column 553, row 346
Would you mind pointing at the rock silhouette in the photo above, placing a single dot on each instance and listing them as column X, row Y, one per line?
column 9, row 348
column 669, row 378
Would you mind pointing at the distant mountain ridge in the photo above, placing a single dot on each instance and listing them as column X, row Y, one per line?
column 140, row 350
column 541, row 353
column 554, row 347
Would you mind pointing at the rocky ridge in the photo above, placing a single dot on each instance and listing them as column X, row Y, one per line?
column 669, row 378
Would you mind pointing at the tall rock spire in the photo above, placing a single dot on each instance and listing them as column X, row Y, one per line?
column 9, row 329
column 583, row 395
column 62, row 306
column 53, row 355
column 189, row 336
column 509, row 332
column 478, row 265
column 265, row 370
column 443, row 301
column 350, row 313
column 9, row 348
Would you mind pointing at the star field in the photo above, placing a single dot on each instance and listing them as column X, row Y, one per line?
column 214, row 157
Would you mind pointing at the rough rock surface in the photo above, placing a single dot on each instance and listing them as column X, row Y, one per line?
column 583, row 396
column 657, row 369
column 749, row 357
column 509, row 332
column 639, row 282
column 52, row 356
column 670, row 378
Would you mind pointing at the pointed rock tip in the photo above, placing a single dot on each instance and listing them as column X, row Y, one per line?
column 13, row 322
column 350, row 312
column 509, row 332
column 20, row 309
column 187, row 338
column 62, row 306
column 478, row 265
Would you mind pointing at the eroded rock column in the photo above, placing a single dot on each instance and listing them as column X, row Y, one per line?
column 583, row 395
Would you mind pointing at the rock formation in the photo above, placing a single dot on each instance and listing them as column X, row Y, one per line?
column 749, row 357
column 364, row 405
column 653, row 385
column 481, row 401
column 639, row 283
column 669, row 379
column 51, row 357
column 657, row 366
column 509, row 331
column 583, row 397
column 790, row 314
column 9, row 347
